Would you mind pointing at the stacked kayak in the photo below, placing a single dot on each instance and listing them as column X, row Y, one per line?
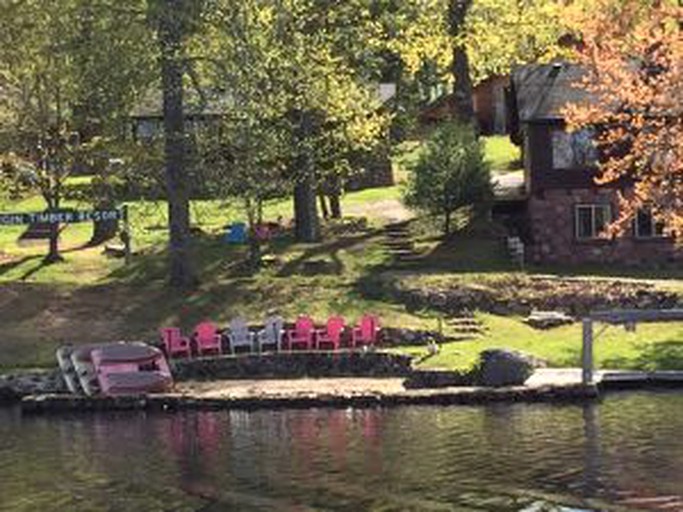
column 114, row 369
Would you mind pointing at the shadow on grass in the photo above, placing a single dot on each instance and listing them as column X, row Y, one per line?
column 306, row 263
column 9, row 266
column 463, row 253
column 666, row 355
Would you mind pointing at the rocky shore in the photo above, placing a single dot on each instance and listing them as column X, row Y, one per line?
column 172, row 402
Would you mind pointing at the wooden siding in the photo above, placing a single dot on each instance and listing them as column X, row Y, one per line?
column 541, row 174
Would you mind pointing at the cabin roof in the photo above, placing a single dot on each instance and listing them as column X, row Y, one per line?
column 543, row 90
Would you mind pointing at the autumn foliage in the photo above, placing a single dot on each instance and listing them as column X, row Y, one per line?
column 632, row 52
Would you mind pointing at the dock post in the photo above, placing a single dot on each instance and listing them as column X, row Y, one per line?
column 587, row 352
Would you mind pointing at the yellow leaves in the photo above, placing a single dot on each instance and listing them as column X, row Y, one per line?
column 500, row 34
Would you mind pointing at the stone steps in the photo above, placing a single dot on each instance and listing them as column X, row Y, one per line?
column 399, row 245
column 466, row 327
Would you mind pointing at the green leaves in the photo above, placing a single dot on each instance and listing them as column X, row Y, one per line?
column 450, row 173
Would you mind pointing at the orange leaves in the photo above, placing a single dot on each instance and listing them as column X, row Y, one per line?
column 633, row 53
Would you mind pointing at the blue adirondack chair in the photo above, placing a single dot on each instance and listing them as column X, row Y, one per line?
column 237, row 233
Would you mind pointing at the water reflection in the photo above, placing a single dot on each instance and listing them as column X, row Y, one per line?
column 627, row 450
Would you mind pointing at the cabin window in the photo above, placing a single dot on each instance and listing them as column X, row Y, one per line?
column 147, row 129
column 646, row 226
column 573, row 150
column 592, row 220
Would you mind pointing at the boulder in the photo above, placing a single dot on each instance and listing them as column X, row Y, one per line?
column 500, row 367
column 547, row 319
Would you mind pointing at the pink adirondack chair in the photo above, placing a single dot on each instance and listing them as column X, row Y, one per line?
column 207, row 338
column 331, row 335
column 302, row 334
column 366, row 332
column 176, row 344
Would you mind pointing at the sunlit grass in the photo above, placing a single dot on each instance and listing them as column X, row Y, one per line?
column 502, row 154
column 652, row 346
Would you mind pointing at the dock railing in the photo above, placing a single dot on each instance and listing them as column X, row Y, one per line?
column 626, row 317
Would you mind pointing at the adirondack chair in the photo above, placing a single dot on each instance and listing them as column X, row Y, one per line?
column 239, row 335
column 208, row 339
column 331, row 335
column 302, row 334
column 237, row 233
column 175, row 343
column 366, row 332
column 271, row 334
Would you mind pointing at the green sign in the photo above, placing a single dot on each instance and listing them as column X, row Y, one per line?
column 61, row 217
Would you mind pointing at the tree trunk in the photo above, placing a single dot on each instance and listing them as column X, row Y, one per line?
column 447, row 224
column 307, row 223
column 323, row 205
column 335, row 198
column 53, row 255
column 335, row 206
column 463, row 107
column 254, row 242
column 170, row 39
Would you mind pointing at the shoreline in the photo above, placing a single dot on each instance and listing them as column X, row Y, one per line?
column 59, row 403
column 545, row 385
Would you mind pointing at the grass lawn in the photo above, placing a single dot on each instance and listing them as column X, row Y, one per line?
column 502, row 154
column 91, row 298
column 499, row 151
column 652, row 346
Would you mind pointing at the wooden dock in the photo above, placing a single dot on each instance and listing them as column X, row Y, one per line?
column 607, row 379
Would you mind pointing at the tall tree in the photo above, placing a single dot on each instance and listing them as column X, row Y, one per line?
column 502, row 34
column 298, row 61
column 52, row 63
column 460, row 66
column 171, row 20
column 632, row 56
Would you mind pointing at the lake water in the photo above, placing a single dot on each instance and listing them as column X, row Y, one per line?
column 623, row 453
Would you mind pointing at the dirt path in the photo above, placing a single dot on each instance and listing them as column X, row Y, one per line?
column 390, row 210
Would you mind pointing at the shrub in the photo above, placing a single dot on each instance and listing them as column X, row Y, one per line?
column 450, row 174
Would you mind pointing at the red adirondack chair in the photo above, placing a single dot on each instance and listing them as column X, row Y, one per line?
column 176, row 344
column 366, row 332
column 331, row 335
column 208, row 339
column 302, row 334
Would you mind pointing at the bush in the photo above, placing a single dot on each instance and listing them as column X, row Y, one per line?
column 450, row 174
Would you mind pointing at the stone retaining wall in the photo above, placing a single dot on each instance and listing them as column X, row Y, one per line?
column 294, row 364
column 520, row 296
column 13, row 386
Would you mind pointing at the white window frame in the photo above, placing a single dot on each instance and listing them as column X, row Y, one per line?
column 653, row 226
column 595, row 235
